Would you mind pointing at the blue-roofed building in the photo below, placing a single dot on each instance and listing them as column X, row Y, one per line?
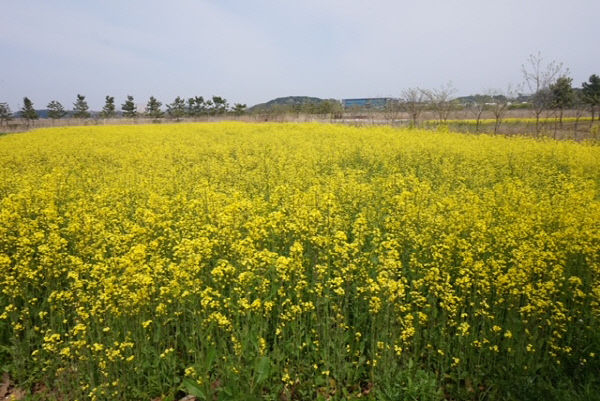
column 367, row 103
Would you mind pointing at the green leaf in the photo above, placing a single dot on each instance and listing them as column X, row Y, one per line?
column 263, row 369
column 193, row 388
column 210, row 357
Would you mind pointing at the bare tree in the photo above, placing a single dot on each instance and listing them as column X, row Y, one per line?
column 441, row 100
column 392, row 109
column 477, row 106
column 538, row 77
column 499, row 102
column 412, row 102
column 579, row 106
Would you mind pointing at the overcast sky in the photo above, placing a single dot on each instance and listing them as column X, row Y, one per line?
column 253, row 51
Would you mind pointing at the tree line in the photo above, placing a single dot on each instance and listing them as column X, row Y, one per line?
column 549, row 84
column 195, row 106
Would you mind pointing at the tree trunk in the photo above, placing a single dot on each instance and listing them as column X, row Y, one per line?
column 561, row 118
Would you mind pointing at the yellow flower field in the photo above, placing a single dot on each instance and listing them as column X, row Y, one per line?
column 297, row 262
column 512, row 120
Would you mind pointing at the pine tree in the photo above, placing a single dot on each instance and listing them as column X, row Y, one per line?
column 239, row 109
column 27, row 111
column 191, row 107
column 129, row 108
column 209, row 106
column 56, row 110
column 591, row 93
column 5, row 113
column 176, row 109
column 200, row 105
column 153, row 108
column 195, row 106
column 80, row 107
column 108, row 111
column 221, row 105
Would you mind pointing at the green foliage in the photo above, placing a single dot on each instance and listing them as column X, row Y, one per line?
column 262, row 369
column 591, row 93
column 5, row 113
column 591, row 90
column 176, row 109
column 286, row 104
column 300, row 104
column 28, row 111
column 407, row 383
column 220, row 105
column 192, row 387
column 80, row 107
column 196, row 106
column 562, row 93
column 153, row 108
column 327, row 107
column 239, row 109
column 108, row 111
column 129, row 108
column 56, row 110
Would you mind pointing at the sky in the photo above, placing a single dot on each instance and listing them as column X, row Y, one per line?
column 251, row 51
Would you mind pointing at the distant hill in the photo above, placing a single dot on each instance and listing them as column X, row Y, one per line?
column 287, row 102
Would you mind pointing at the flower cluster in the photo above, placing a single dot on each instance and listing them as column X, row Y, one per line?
column 293, row 258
